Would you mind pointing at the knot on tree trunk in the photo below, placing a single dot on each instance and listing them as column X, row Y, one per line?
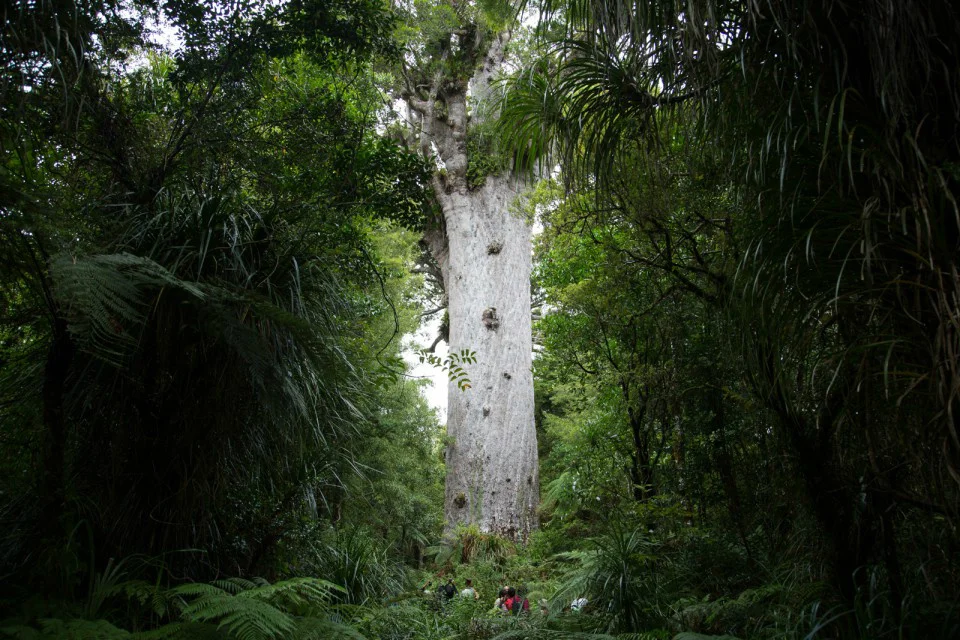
column 490, row 319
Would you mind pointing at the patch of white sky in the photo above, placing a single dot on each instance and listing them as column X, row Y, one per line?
column 435, row 388
column 160, row 36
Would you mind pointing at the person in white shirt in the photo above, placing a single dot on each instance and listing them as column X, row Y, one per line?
column 469, row 591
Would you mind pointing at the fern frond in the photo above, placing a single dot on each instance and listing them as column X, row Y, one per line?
column 182, row 631
column 550, row 634
column 658, row 634
column 245, row 618
column 20, row 632
column 197, row 589
column 173, row 630
column 235, row 585
column 296, row 592
column 105, row 299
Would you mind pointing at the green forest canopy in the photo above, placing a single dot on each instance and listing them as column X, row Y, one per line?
column 747, row 369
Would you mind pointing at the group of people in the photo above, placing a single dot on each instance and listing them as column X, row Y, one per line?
column 508, row 601
column 449, row 590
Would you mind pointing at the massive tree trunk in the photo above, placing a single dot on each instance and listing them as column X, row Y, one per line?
column 484, row 252
column 492, row 475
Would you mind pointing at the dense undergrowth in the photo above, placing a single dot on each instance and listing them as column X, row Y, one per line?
column 689, row 584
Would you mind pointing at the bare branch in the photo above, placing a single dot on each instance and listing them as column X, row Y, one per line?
column 433, row 311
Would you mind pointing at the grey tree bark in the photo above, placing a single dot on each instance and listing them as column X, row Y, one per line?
column 484, row 252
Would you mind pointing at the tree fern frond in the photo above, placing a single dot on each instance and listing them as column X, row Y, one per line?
column 105, row 299
column 296, row 592
column 550, row 634
column 244, row 618
column 20, row 632
column 173, row 630
column 197, row 589
column 235, row 585
column 253, row 609
column 183, row 631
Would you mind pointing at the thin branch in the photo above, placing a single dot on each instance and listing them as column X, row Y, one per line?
column 433, row 311
column 386, row 297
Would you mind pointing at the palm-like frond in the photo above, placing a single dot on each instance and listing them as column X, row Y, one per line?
column 106, row 299
column 360, row 570
column 531, row 118
column 612, row 571
column 620, row 69
column 600, row 83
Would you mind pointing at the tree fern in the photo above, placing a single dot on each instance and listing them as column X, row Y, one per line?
column 207, row 267
column 20, row 632
column 561, row 634
column 105, row 298
column 249, row 610
column 294, row 593
column 236, row 585
column 175, row 631
column 242, row 618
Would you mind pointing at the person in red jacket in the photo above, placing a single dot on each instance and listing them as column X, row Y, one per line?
column 516, row 604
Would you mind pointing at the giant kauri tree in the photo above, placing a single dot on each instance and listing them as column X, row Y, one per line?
column 482, row 246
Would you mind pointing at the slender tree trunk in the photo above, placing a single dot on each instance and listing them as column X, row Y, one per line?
column 641, row 471
column 832, row 499
column 59, row 359
column 727, row 470
column 484, row 253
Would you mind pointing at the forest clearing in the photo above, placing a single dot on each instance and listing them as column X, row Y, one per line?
column 689, row 273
